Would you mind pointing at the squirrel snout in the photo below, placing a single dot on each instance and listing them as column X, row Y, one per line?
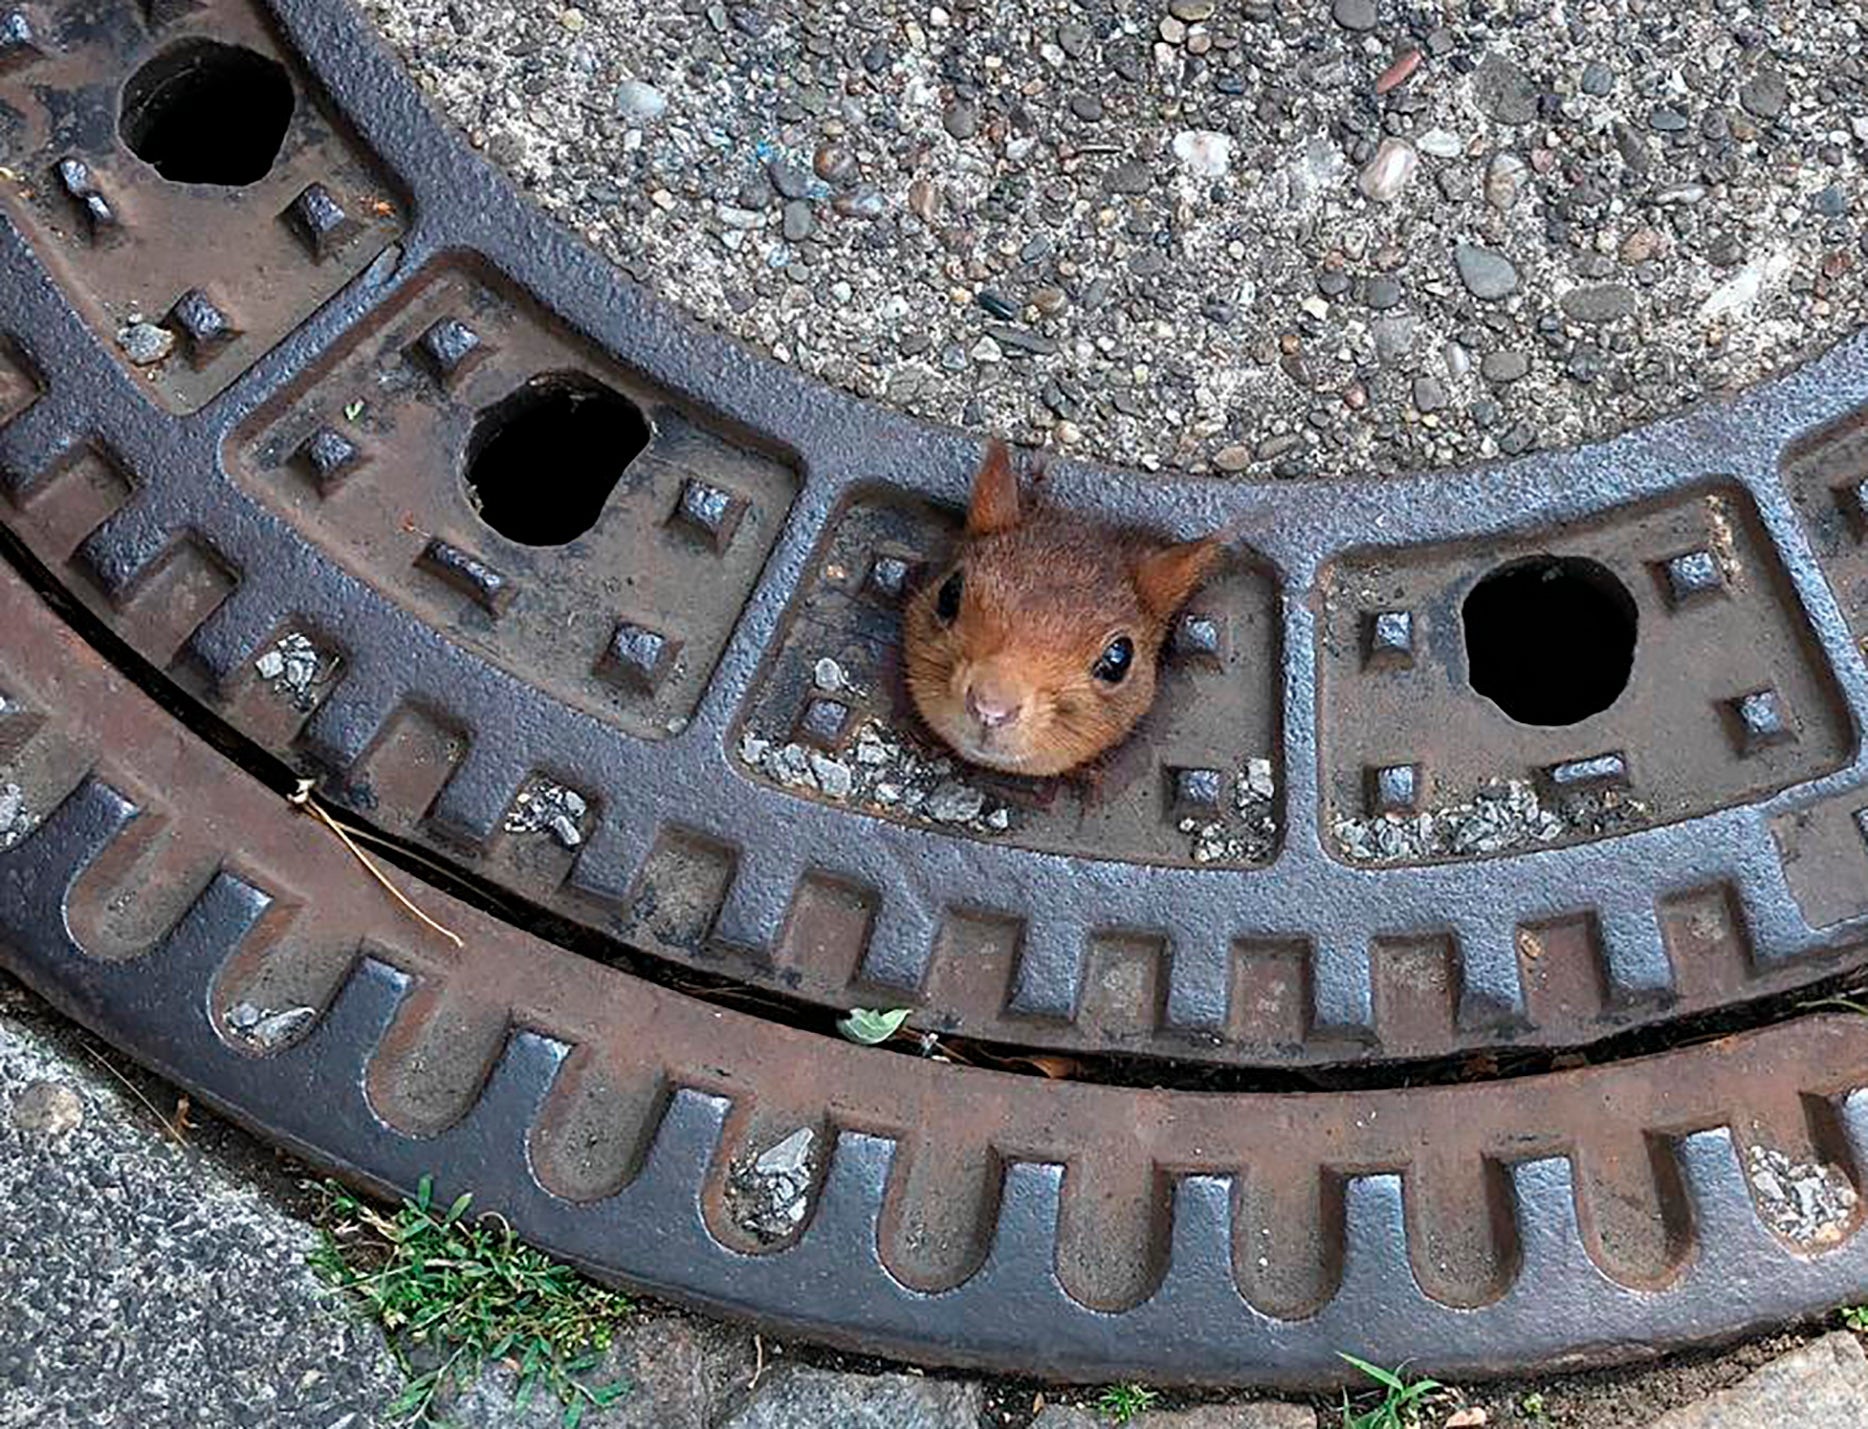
column 994, row 709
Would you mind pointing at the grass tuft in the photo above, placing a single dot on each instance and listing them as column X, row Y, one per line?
column 454, row 1294
column 1122, row 1402
column 1401, row 1401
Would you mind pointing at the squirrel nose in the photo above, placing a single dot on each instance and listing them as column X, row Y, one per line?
column 992, row 709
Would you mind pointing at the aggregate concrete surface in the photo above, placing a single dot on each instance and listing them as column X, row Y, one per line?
column 1272, row 237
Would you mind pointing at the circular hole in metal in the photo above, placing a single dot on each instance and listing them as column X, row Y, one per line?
column 541, row 463
column 1550, row 640
column 202, row 112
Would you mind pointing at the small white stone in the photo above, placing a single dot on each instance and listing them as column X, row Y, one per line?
column 791, row 1158
column 641, row 102
column 271, row 665
column 1203, row 153
column 1441, row 144
column 827, row 675
column 1385, row 175
column 955, row 803
column 833, row 776
column 1259, row 780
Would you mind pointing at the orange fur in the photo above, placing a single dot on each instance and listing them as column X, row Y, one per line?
column 1044, row 593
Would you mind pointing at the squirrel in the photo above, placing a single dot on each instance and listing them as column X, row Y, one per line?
column 1034, row 651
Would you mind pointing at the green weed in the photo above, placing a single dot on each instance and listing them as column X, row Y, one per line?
column 453, row 1294
column 1122, row 1402
column 1401, row 1400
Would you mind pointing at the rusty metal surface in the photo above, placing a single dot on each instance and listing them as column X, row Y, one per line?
column 667, row 712
column 457, row 669
column 159, row 894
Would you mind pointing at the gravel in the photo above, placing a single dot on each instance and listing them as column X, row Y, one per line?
column 1176, row 179
column 1505, row 815
column 543, row 807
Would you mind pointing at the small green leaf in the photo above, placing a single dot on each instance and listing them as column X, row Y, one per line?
column 424, row 1192
column 573, row 1414
column 461, row 1202
column 353, row 410
column 871, row 1025
column 1374, row 1372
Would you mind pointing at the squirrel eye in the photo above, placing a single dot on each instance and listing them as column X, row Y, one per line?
column 947, row 603
column 1112, row 666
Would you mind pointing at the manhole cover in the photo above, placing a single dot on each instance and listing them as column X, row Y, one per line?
column 1388, row 959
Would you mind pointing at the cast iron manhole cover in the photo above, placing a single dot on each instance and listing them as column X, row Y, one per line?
column 1434, row 965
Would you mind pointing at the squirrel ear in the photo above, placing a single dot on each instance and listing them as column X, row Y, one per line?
column 993, row 506
column 1165, row 578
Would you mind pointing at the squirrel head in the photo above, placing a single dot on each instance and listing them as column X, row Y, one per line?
column 1034, row 649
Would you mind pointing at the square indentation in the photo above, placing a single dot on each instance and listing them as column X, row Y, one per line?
column 447, row 349
column 825, row 723
column 1691, row 576
column 1389, row 639
column 1597, row 771
column 1759, row 720
column 18, row 388
column 1394, row 788
column 319, row 222
column 1196, row 638
column 201, row 325
column 889, row 577
column 467, row 573
column 1196, row 791
column 709, row 513
column 328, row 457
column 638, row 657
column 18, row 41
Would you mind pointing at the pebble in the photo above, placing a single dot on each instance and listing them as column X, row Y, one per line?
column 1385, row 175
column 1486, row 274
column 145, row 343
column 47, row 1108
column 834, row 164
column 799, row 221
column 954, row 803
column 1598, row 78
column 639, row 101
column 1234, row 458
column 1131, row 176
column 1203, row 153
column 863, row 201
column 1382, row 293
column 1440, row 144
column 1765, row 94
column 1504, row 180
column 1354, row 14
column 1640, row 246
column 1602, row 304
column 1429, row 395
column 962, row 119
column 1502, row 91
column 1504, row 366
